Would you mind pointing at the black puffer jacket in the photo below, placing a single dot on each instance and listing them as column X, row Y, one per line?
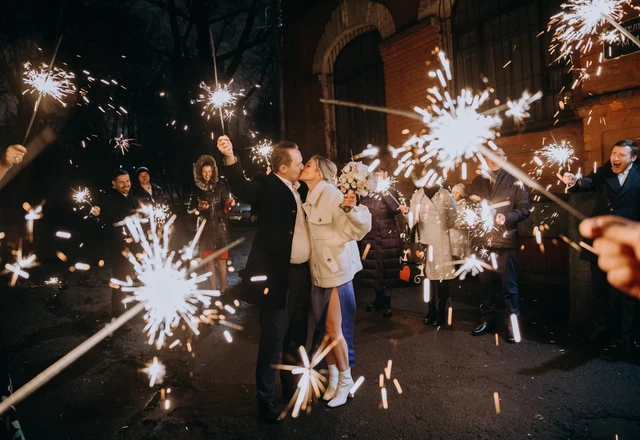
column 381, row 268
column 506, row 188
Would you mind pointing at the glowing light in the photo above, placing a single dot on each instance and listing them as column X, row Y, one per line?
column 17, row 268
column 156, row 371
column 218, row 99
column 262, row 152
column 169, row 294
column 122, row 143
column 55, row 82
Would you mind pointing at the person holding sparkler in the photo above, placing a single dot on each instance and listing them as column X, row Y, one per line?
column 277, row 276
column 434, row 212
column 617, row 192
column 118, row 204
column 12, row 155
column 381, row 248
column 210, row 200
column 335, row 260
column 459, row 234
column 500, row 187
column 146, row 191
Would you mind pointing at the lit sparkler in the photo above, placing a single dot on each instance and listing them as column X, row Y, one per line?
column 158, row 213
column 17, row 268
column 385, row 184
column 471, row 265
column 262, row 152
column 558, row 154
column 167, row 291
column 156, row 371
column 46, row 81
column 311, row 382
column 580, row 24
column 219, row 100
column 121, row 142
column 33, row 214
column 82, row 196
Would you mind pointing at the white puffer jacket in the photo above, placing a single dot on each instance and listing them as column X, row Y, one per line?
column 335, row 258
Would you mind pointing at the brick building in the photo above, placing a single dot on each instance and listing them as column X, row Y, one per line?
column 380, row 52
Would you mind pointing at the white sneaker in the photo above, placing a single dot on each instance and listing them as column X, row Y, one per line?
column 345, row 383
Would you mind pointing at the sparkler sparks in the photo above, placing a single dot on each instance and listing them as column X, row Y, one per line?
column 158, row 213
column 52, row 82
column 21, row 263
column 558, row 154
column 580, row 24
column 470, row 265
column 219, row 99
column 262, row 152
column 122, row 143
column 385, row 184
column 156, row 371
column 519, row 110
column 33, row 214
column 311, row 382
column 82, row 196
column 168, row 292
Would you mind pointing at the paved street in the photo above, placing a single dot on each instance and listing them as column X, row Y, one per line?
column 550, row 385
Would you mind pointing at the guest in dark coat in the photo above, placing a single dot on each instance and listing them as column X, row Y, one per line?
column 112, row 209
column 383, row 247
column 146, row 191
column 617, row 191
column 501, row 241
column 277, row 275
column 211, row 201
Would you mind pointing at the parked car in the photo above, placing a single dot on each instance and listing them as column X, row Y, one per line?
column 240, row 212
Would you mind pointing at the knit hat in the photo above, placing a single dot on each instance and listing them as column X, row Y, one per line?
column 142, row 170
column 460, row 188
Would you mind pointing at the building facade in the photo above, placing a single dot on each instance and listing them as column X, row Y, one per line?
column 380, row 52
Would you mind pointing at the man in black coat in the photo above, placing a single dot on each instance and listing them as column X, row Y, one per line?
column 146, row 191
column 277, row 274
column 501, row 188
column 617, row 190
column 115, row 207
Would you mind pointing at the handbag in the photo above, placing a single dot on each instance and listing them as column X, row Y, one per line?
column 413, row 258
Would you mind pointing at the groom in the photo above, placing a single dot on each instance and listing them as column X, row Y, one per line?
column 277, row 276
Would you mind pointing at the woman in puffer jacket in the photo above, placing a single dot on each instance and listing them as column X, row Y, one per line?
column 335, row 260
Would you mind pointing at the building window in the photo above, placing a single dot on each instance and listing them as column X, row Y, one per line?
column 358, row 76
column 503, row 44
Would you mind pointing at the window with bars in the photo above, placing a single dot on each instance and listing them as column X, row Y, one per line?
column 503, row 44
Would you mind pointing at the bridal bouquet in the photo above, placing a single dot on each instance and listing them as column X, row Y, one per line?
column 357, row 178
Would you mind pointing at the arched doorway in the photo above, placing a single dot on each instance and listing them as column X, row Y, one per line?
column 358, row 76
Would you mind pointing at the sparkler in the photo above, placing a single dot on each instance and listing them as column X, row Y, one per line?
column 470, row 265
column 49, row 81
column 82, row 196
column 580, row 21
column 167, row 291
column 220, row 98
column 60, row 365
column 458, row 132
column 558, row 154
column 156, row 371
column 33, row 214
column 311, row 382
column 157, row 213
column 55, row 85
column 262, row 152
column 122, row 143
column 21, row 263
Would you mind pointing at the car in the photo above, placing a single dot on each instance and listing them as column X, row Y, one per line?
column 240, row 212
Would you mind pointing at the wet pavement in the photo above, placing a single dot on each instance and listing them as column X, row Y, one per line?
column 550, row 385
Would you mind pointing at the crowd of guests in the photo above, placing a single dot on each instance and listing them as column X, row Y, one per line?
column 312, row 240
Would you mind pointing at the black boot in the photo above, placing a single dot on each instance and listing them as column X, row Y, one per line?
column 377, row 303
column 386, row 307
column 432, row 314
column 441, row 316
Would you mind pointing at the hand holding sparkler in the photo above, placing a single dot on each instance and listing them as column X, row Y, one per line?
column 569, row 179
column 500, row 219
column 13, row 155
column 226, row 148
column 617, row 242
column 95, row 211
